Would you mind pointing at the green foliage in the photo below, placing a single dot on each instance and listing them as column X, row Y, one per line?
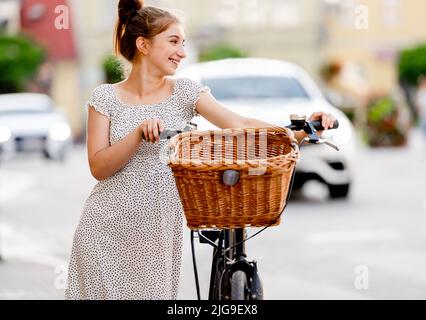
column 222, row 51
column 20, row 58
column 412, row 64
column 113, row 69
column 380, row 110
column 383, row 128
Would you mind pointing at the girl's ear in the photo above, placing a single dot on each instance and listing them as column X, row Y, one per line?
column 142, row 45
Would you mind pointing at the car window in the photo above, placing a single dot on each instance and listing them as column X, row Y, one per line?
column 17, row 106
column 255, row 87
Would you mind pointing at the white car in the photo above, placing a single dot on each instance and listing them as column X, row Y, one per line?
column 31, row 122
column 271, row 90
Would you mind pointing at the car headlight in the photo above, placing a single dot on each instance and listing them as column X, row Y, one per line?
column 59, row 131
column 5, row 134
column 341, row 135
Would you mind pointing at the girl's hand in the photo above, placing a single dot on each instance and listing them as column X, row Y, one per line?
column 150, row 130
column 327, row 120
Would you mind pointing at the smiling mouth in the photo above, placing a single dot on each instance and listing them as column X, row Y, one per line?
column 174, row 61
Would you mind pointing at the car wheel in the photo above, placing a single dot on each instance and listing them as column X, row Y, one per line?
column 338, row 191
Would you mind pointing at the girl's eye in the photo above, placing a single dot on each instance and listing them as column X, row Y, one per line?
column 177, row 42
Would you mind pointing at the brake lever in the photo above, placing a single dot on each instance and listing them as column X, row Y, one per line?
column 330, row 144
column 321, row 141
column 170, row 133
column 311, row 132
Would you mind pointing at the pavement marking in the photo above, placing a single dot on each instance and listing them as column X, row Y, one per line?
column 19, row 245
column 13, row 184
column 362, row 235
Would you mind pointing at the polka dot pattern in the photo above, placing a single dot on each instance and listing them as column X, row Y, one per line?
column 128, row 243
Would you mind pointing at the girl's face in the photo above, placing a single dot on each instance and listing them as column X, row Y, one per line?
column 166, row 50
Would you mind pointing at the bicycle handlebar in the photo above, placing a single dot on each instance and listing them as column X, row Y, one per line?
column 318, row 126
column 298, row 123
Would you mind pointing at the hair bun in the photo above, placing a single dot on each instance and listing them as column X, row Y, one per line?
column 126, row 8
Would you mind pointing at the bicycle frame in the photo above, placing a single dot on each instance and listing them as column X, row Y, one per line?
column 228, row 257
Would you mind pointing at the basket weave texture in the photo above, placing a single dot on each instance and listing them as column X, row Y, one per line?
column 265, row 159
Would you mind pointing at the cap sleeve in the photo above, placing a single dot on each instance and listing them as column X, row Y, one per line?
column 99, row 101
column 192, row 91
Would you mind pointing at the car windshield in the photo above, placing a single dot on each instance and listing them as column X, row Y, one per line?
column 13, row 105
column 256, row 87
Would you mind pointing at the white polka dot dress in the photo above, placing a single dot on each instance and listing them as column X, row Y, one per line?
column 128, row 243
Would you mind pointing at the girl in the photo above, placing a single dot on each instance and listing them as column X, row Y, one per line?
column 129, row 239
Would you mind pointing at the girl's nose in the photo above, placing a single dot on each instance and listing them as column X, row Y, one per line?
column 182, row 53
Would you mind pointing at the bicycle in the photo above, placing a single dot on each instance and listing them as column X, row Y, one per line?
column 233, row 276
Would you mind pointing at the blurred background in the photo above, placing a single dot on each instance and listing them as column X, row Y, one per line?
column 364, row 239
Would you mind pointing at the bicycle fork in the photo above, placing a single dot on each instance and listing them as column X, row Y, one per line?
column 232, row 271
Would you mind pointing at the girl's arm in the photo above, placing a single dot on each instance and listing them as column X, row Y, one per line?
column 105, row 160
column 220, row 116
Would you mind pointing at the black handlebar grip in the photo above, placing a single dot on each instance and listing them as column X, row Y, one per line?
column 318, row 126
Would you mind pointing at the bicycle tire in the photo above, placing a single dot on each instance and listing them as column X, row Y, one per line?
column 217, row 294
column 239, row 288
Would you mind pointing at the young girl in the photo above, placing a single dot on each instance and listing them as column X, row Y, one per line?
column 129, row 239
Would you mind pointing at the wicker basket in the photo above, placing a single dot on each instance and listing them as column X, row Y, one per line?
column 265, row 159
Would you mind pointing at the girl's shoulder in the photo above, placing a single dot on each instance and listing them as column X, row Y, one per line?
column 189, row 93
column 101, row 99
column 187, row 84
column 102, row 89
column 189, row 87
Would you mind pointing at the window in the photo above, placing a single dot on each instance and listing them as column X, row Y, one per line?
column 285, row 13
column 105, row 14
column 256, row 87
column 258, row 13
column 391, row 13
column 347, row 13
column 25, row 104
column 9, row 16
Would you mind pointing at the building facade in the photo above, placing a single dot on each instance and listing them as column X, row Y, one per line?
column 367, row 33
column 372, row 33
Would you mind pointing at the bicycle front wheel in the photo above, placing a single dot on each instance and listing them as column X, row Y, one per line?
column 239, row 287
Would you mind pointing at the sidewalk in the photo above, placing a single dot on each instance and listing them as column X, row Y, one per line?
column 30, row 270
column 21, row 280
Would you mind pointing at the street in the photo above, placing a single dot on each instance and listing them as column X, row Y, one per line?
column 371, row 246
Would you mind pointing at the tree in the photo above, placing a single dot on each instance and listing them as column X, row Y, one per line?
column 20, row 58
column 221, row 51
column 412, row 64
column 113, row 70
